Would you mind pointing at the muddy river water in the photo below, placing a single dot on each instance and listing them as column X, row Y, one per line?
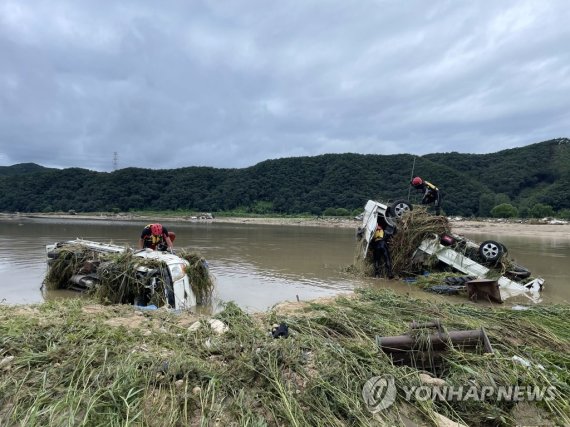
column 256, row 266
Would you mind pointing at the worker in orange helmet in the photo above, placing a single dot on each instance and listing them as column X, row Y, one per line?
column 155, row 236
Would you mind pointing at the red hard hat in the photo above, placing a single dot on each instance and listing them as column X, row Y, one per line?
column 156, row 229
column 417, row 181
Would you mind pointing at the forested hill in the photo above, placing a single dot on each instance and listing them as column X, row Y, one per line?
column 535, row 175
column 22, row 169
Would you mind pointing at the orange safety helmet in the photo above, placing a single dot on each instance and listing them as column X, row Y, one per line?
column 156, row 229
column 417, row 181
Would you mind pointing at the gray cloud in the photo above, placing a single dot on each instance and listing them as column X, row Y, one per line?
column 228, row 85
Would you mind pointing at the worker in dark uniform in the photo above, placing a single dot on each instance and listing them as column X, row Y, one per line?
column 381, row 252
column 431, row 193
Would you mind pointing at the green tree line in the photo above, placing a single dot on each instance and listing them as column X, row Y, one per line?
column 472, row 184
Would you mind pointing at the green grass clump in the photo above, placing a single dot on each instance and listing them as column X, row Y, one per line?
column 72, row 363
column 121, row 282
column 414, row 227
column 201, row 281
column 70, row 260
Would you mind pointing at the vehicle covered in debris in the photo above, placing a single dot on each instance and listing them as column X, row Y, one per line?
column 478, row 261
column 375, row 212
column 481, row 266
column 120, row 274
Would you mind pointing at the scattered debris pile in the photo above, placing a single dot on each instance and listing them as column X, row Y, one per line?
column 422, row 244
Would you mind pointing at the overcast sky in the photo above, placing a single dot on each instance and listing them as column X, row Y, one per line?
column 231, row 83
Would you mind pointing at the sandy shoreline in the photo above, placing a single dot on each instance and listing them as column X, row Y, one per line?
column 559, row 231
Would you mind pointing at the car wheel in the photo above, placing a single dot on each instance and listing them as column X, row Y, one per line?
column 517, row 275
column 491, row 251
column 458, row 280
column 517, row 272
column 399, row 208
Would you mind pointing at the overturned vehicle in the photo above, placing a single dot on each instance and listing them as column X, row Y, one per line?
column 119, row 275
column 422, row 244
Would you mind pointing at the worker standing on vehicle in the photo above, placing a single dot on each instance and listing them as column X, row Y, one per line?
column 156, row 236
column 431, row 193
column 381, row 252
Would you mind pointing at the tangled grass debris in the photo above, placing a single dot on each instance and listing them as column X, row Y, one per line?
column 70, row 261
column 66, row 365
column 201, row 281
column 414, row 226
column 121, row 282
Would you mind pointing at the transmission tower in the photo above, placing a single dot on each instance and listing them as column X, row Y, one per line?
column 115, row 160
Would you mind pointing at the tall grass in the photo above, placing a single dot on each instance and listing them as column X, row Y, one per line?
column 70, row 366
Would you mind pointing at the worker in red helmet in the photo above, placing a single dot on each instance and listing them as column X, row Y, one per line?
column 431, row 193
column 155, row 236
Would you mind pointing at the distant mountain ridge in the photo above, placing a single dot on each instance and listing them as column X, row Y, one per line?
column 472, row 183
column 22, row 169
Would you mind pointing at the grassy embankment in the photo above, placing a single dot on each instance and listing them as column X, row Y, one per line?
column 69, row 363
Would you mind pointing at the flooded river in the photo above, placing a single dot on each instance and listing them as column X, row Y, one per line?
column 254, row 265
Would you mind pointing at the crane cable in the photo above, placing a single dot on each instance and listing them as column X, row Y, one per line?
column 411, row 177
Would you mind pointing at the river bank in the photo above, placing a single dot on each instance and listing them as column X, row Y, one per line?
column 75, row 363
column 535, row 228
column 503, row 228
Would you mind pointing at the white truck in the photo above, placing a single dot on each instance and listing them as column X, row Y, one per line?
column 176, row 284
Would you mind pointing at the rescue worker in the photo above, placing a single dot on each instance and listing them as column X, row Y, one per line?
column 155, row 236
column 431, row 193
column 381, row 252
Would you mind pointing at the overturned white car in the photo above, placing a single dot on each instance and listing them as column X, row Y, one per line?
column 388, row 214
column 151, row 276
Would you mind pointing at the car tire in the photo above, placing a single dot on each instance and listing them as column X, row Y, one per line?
column 491, row 251
column 399, row 208
column 458, row 280
column 517, row 275
column 517, row 272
